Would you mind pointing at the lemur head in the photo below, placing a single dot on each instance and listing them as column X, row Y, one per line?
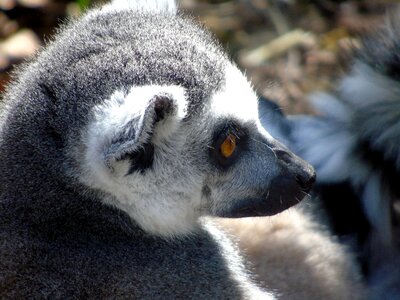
column 170, row 150
column 166, row 167
column 147, row 111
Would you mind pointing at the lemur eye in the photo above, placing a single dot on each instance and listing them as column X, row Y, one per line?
column 228, row 146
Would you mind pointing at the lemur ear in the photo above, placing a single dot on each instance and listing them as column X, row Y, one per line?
column 133, row 124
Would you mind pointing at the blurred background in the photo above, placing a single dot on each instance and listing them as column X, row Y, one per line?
column 287, row 47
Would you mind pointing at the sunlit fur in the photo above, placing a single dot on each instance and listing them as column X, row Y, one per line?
column 297, row 257
column 108, row 166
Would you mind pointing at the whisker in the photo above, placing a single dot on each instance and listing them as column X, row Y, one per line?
column 264, row 144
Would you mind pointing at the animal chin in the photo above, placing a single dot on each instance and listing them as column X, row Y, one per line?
column 284, row 193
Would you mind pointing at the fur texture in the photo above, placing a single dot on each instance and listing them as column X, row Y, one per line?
column 116, row 142
column 292, row 255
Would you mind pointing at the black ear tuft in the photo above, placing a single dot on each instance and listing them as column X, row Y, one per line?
column 163, row 105
column 142, row 159
column 133, row 140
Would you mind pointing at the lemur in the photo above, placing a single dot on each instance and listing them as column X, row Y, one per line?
column 116, row 142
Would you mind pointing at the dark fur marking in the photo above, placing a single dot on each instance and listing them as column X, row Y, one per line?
column 142, row 159
column 162, row 107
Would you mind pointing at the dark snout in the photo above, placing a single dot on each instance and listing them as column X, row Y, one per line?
column 291, row 185
column 294, row 180
column 295, row 168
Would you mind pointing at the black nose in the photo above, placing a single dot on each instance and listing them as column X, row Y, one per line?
column 302, row 172
column 306, row 181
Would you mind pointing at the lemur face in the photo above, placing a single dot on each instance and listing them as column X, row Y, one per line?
column 253, row 175
column 166, row 169
column 170, row 128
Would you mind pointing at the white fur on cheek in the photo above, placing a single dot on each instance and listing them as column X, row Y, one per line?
column 165, row 200
column 160, row 203
column 118, row 111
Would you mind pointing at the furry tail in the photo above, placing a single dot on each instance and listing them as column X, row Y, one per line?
column 356, row 140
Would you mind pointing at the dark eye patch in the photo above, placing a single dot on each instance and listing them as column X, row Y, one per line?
column 228, row 142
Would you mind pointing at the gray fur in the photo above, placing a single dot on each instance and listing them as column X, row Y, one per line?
column 106, row 165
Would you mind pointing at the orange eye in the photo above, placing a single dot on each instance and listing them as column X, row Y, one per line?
column 228, row 146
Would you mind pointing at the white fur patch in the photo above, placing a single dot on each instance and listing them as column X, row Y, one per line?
column 166, row 200
column 235, row 263
column 237, row 99
column 156, row 6
column 121, row 109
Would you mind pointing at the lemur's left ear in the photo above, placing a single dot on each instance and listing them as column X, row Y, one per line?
column 127, row 126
